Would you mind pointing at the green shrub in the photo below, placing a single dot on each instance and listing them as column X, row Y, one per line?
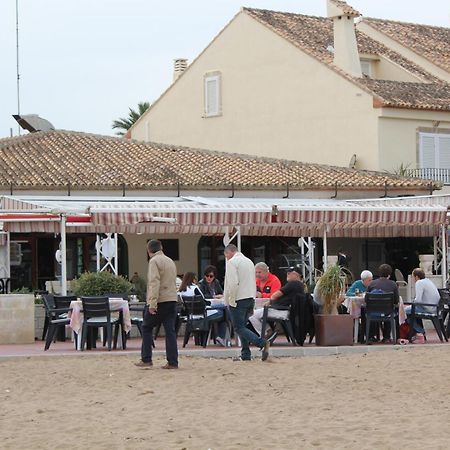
column 98, row 283
column 22, row 290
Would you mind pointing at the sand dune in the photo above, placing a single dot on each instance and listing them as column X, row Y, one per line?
column 383, row 400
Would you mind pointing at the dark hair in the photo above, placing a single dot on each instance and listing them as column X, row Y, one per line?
column 385, row 270
column 210, row 269
column 188, row 280
column 419, row 273
column 154, row 246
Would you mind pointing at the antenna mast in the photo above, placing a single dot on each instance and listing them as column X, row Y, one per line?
column 17, row 60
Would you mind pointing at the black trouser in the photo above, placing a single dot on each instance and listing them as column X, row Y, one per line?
column 165, row 314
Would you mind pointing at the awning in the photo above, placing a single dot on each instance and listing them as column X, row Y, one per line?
column 209, row 216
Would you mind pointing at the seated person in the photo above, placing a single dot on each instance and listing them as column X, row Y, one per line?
column 266, row 283
column 426, row 292
column 279, row 299
column 360, row 286
column 384, row 284
column 210, row 285
column 189, row 288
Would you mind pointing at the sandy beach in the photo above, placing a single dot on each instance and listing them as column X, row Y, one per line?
column 382, row 400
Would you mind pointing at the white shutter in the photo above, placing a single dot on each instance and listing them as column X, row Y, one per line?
column 212, row 95
column 443, row 151
column 427, row 151
column 366, row 68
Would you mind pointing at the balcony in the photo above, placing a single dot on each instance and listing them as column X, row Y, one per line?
column 442, row 175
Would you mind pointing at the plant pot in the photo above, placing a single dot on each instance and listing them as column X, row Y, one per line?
column 333, row 330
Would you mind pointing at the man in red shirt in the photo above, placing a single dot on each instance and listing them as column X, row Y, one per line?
column 266, row 283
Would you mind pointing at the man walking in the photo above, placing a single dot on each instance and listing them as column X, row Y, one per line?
column 161, row 306
column 240, row 290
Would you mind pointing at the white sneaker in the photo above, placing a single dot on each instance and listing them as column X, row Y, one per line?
column 221, row 341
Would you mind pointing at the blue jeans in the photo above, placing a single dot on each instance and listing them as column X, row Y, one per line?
column 166, row 314
column 239, row 316
column 419, row 309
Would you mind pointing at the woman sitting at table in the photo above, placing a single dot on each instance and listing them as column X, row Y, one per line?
column 360, row 286
column 189, row 288
column 210, row 285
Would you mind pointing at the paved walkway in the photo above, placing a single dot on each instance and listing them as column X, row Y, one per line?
column 280, row 349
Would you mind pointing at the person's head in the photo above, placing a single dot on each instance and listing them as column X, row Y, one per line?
column 294, row 274
column 366, row 277
column 189, row 278
column 229, row 251
column 153, row 246
column 385, row 271
column 210, row 274
column 261, row 271
column 418, row 274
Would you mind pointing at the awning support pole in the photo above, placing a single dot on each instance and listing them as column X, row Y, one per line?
column 325, row 249
column 444, row 255
column 97, row 247
column 238, row 237
column 116, row 254
column 63, row 256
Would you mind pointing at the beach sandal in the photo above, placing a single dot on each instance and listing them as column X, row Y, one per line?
column 418, row 339
column 402, row 341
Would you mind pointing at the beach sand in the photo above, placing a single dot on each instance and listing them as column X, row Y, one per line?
column 381, row 400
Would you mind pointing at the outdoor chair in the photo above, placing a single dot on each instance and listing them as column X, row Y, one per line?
column 97, row 314
column 445, row 298
column 285, row 323
column 433, row 313
column 302, row 317
column 63, row 302
column 56, row 319
column 197, row 321
column 381, row 308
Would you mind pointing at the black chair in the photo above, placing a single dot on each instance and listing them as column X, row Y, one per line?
column 197, row 321
column 445, row 298
column 284, row 322
column 56, row 319
column 380, row 308
column 433, row 313
column 302, row 317
column 97, row 314
column 137, row 315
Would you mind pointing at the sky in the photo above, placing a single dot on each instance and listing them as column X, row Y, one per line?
column 83, row 63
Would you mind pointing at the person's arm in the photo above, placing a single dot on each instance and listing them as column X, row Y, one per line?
column 274, row 297
column 419, row 293
column 231, row 282
column 153, row 284
column 218, row 287
column 351, row 290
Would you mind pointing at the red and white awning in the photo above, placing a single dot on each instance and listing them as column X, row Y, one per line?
column 209, row 216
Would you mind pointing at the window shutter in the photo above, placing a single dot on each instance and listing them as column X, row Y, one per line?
column 212, row 95
column 427, row 151
column 444, row 151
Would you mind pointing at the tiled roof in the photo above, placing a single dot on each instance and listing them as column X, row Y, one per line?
column 314, row 35
column 346, row 8
column 51, row 160
column 433, row 43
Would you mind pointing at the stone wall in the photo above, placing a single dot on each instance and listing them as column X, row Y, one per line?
column 16, row 319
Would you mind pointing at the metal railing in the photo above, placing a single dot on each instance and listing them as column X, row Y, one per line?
column 434, row 174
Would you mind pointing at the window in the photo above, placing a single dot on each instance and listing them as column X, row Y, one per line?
column 434, row 151
column 212, row 95
column 366, row 68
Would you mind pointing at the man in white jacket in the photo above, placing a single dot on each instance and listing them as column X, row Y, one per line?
column 239, row 294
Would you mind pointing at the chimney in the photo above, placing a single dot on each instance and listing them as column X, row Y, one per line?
column 346, row 55
column 179, row 66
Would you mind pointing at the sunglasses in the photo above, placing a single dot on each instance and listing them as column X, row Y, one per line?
column 209, row 276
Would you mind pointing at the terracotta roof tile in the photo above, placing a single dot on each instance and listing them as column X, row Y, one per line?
column 50, row 160
column 314, row 35
column 346, row 8
column 431, row 42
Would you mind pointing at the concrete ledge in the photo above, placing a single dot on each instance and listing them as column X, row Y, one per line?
column 16, row 318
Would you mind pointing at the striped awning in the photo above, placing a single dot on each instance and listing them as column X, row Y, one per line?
column 211, row 216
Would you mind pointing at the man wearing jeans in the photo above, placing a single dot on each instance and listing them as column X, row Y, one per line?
column 161, row 306
column 239, row 294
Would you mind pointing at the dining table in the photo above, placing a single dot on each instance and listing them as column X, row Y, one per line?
column 115, row 305
column 354, row 305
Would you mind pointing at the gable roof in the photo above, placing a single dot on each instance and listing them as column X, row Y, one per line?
column 314, row 35
column 51, row 160
column 431, row 42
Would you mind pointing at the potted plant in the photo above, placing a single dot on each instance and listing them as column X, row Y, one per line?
column 332, row 329
column 98, row 283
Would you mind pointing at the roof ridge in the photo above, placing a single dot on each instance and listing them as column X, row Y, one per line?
column 377, row 19
column 245, row 8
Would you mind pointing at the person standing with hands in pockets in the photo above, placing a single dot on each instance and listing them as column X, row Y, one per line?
column 161, row 306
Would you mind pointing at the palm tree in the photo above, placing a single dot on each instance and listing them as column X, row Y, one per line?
column 123, row 125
